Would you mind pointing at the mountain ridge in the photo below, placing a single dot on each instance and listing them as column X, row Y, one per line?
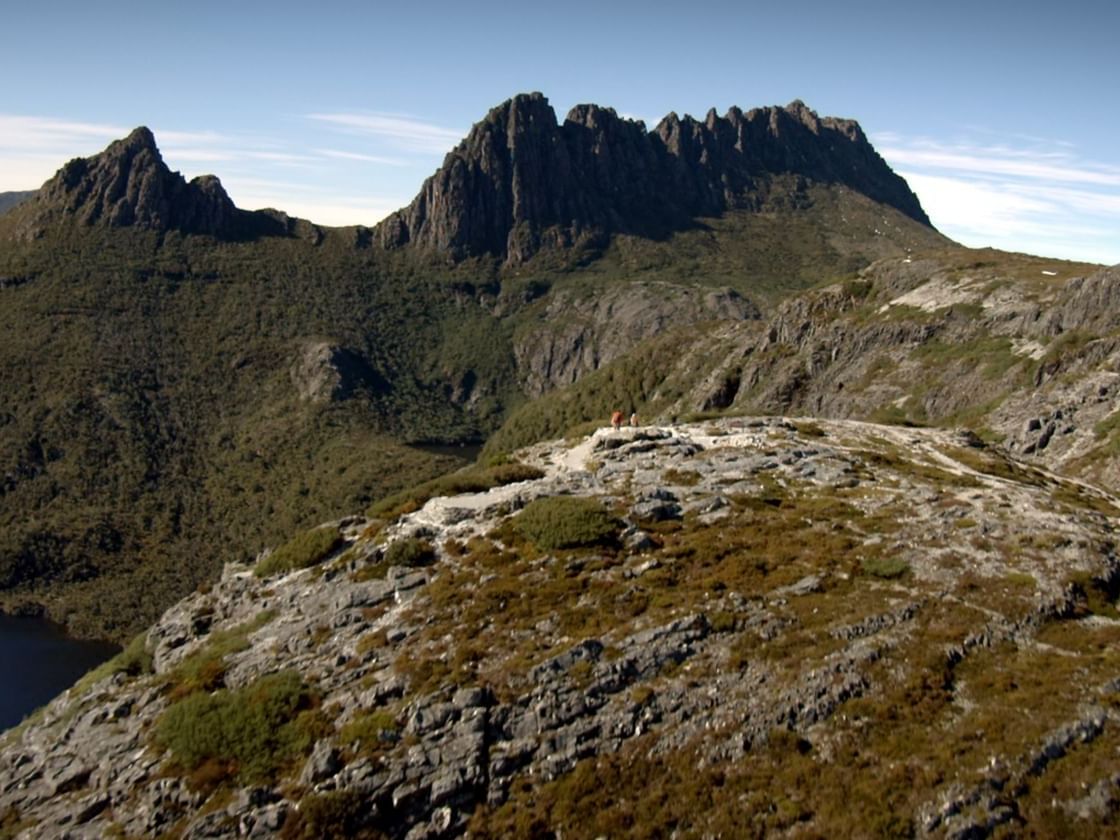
column 521, row 182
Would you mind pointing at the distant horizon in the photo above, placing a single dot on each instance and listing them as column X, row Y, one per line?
column 991, row 112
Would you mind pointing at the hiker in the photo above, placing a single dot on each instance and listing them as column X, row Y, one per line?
column 616, row 420
column 634, row 419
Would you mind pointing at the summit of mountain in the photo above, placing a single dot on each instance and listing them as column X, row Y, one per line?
column 522, row 182
column 128, row 184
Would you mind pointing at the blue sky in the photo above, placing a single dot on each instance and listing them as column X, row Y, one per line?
column 1002, row 116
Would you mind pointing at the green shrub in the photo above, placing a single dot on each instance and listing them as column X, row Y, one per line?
column 887, row 568
column 204, row 669
column 374, row 727
column 135, row 661
column 470, row 480
column 856, row 289
column 251, row 733
column 334, row 815
column 565, row 522
column 371, row 571
column 512, row 472
column 409, row 552
column 722, row 621
column 810, row 429
column 301, row 551
column 1097, row 596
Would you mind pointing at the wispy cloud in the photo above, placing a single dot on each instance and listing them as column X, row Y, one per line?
column 403, row 131
column 1019, row 193
column 45, row 133
column 382, row 160
column 33, row 148
column 1000, row 160
column 195, row 155
column 281, row 158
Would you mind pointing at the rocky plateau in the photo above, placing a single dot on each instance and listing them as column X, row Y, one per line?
column 809, row 627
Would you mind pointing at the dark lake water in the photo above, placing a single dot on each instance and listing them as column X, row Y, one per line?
column 39, row 661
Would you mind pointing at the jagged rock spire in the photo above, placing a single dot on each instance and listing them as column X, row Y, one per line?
column 129, row 185
column 521, row 182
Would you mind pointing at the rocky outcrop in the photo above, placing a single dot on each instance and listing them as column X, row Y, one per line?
column 129, row 185
column 325, row 372
column 1088, row 303
column 779, row 591
column 521, row 182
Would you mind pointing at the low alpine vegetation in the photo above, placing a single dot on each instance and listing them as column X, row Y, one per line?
column 250, row 733
column 302, row 551
column 565, row 522
column 470, row 480
column 887, row 568
column 410, row 552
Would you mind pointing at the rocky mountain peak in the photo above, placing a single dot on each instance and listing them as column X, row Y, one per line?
column 140, row 138
column 592, row 116
column 528, row 111
column 129, row 185
column 521, row 183
column 804, row 115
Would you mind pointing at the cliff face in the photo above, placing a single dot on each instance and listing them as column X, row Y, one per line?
column 521, row 182
column 576, row 335
column 129, row 185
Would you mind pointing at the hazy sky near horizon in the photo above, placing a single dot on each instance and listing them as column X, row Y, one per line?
column 1001, row 115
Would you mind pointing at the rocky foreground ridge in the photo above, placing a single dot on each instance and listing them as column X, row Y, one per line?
column 721, row 629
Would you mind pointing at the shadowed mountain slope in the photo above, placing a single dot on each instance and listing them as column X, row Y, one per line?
column 8, row 200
